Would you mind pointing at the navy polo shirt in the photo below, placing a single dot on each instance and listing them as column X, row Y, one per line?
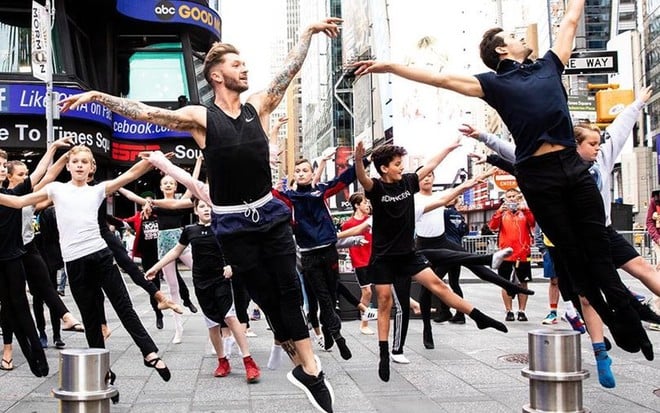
column 531, row 100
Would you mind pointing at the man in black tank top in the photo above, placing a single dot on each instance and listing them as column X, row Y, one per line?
column 252, row 226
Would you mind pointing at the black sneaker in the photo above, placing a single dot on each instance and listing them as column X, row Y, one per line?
column 522, row 316
column 510, row 316
column 318, row 390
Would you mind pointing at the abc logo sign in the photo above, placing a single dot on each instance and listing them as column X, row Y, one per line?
column 165, row 10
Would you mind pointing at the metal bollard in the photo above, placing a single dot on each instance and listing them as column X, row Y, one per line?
column 555, row 372
column 84, row 381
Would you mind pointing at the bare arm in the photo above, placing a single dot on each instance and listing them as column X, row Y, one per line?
column 18, row 202
column 266, row 101
column 132, row 196
column 47, row 159
column 439, row 157
column 446, row 196
column 463, row 84
column 131, row 175
column 52, row 173
column 190, row 118
column 567, row 29
column 360, row 171
column 181, row 203
column 274, row 131
column 318, row 173
column 171, row 255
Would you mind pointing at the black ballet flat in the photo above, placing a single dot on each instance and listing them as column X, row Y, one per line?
column 163, row 372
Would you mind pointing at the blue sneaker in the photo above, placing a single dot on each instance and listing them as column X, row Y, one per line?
column 551, row 318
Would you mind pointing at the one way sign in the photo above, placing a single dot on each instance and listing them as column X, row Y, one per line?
column 588, row 62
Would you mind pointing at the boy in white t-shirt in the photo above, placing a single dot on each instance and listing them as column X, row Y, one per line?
column 88, row 260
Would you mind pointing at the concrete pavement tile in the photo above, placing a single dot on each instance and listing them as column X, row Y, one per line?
column 477, row 406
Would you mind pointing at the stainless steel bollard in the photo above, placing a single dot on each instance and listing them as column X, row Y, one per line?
column 84, row 381
column 555, row 372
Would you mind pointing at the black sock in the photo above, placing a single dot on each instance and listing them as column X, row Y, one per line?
column 343, row 348
column 483, row 321
column 384, row 363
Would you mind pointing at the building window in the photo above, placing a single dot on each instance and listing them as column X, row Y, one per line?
column 15, row 48
column 157, row 74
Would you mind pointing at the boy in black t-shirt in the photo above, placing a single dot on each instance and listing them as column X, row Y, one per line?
column 213, row 288
column 393, row 257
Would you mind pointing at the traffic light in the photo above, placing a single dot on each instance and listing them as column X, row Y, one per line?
column 610, row 100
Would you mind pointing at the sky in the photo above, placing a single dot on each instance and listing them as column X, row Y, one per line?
column 252, row 34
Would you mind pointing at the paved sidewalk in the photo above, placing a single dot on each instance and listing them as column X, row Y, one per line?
column 465, row 373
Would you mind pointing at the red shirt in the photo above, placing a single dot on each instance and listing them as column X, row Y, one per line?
column 359, row 254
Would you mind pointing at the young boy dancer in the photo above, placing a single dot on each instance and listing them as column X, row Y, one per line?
column 88, row 260
column 213, row 288
column 394, row 258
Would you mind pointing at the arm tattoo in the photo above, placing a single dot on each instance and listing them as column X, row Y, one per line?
column 292, row 65
column 139, row 111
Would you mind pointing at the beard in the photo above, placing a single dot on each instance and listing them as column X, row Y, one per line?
column 235, row 86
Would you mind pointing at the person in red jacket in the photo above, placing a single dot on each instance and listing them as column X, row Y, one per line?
column 515, row 224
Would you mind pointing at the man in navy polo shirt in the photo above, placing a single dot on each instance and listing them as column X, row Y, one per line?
column 530, row 98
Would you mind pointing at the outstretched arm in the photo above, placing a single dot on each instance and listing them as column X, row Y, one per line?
column 171, row 255
column 507, row 150
column 567, row 29
column 52, row 173
column 439, row 157
column 18, row 202
column 188, row 118
column 132, row 196
column 266, row 101
column 47, row 159
column 131, row 175
column 198, row 188
column 465, row 85
column 360, row 169
column 448, row 195
column 318, row 173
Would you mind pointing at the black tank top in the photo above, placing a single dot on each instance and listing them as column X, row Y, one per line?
column 236, row 156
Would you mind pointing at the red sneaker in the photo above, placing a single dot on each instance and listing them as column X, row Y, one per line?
column 223, row 368
column 252, row 371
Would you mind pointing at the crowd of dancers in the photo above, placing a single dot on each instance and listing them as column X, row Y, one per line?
column 251, row 240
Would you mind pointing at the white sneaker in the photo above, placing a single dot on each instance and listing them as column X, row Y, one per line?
column 370, row 315
column 499, row 256
column 399, row 358
column 654, row 327
column 366, row 331
column 250, row 333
